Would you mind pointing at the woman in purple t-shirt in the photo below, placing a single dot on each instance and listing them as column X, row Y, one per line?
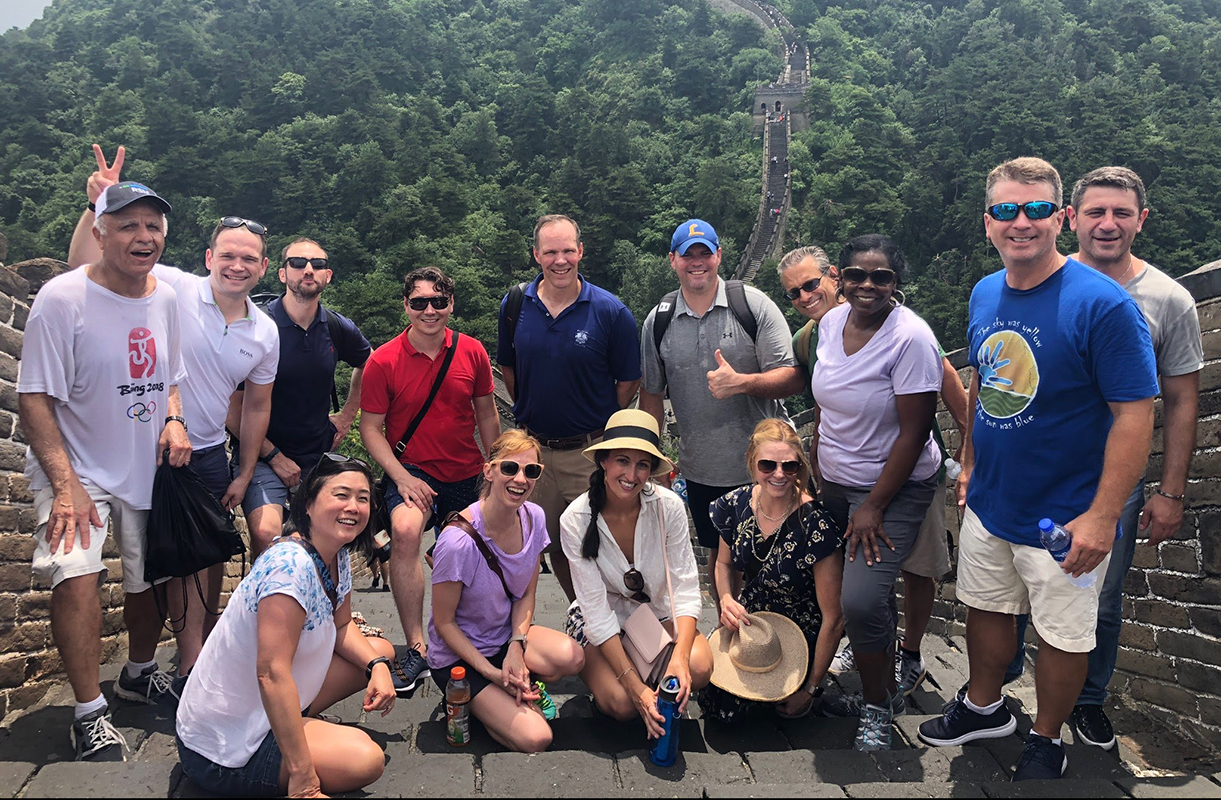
column 876, row 382
column 481, row 620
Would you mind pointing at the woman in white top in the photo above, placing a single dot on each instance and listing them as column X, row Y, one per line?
column 876, row 382
column 618, row 538
column 286, row 647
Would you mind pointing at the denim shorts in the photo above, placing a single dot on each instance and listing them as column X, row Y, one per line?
column 211, row 464
column 259, row 778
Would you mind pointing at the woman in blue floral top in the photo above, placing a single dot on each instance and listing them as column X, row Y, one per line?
column 784, row 551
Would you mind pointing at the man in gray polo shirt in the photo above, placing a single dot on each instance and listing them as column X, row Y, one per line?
column 721, row 380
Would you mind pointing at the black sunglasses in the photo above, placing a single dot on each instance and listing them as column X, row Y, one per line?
column 880, row 277
column 437, row 301
column 257, row 228
column 768, row 466
column 511, row 468
column 1039, row 209
column 299, row 262
column 808, row 287
column 634, row 582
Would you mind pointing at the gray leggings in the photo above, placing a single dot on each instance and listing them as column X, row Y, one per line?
column 871, row 615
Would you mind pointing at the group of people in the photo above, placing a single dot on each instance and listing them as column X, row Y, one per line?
column 804, row 544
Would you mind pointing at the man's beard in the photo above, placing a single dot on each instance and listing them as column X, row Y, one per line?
column 303, row 293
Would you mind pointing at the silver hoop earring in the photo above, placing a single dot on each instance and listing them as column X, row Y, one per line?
column 649, row 488
column 902, row 298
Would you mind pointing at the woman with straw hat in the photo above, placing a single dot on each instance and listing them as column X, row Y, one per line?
column 784, row 551
column 627, row 543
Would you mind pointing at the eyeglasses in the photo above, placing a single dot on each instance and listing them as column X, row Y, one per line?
column 437, row 301
column 879, row 277
column 257, row 228
column 340, row 458
column 1039, row 209
column 634, row 582
column 768, row 466
column 510, row 468
column 298, row 262
column 808, row 287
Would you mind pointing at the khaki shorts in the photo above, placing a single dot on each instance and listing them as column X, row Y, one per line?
column 129, row 532
column 565, row 478
column 995, row 575
column 930, row 555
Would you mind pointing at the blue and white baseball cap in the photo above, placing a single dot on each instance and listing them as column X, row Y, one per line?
column 693, row 231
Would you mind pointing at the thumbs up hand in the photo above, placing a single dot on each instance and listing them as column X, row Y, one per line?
column 724, row 381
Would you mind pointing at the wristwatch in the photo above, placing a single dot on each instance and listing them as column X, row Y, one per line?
column 520, row 639
column 275, row 451
column 175, row 418
column 379, row 660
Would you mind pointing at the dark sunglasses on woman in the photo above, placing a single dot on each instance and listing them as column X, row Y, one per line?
column 300, row 262
column 257, row 228
column 880, row 277
column 511, row 468
column 634, row 582
column 438, row 301
column 1038, row 209
column 767, row 466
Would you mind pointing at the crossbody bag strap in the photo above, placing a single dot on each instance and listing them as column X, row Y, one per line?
column 432, row 395
column 456, row 520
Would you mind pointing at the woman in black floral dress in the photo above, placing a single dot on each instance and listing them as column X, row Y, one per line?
column 785, row 552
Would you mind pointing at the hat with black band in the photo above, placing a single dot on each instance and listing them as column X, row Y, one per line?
column 632, row 429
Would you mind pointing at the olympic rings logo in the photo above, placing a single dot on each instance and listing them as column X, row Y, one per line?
column 141, row 412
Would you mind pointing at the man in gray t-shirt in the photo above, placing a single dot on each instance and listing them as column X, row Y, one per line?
column 721, row 381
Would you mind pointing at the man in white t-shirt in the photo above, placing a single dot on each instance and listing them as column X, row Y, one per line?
column 99, row 403
column 225, row 341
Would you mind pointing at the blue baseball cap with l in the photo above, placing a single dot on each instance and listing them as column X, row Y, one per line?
column 694, row 231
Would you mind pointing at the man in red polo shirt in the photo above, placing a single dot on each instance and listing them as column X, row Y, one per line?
column 437, row 471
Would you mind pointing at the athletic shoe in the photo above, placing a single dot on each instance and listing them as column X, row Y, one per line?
column 843, row 662
column 152, row 686
column 95, row 738
column 909, row 672
column 961, row 725
column 1091, row 726
column 386, row 588
column 875, row 729
column 958, row 698
column 376, row 582
column 408, row 670
column 853, row 705
column 1042, row 759
column 544, row 702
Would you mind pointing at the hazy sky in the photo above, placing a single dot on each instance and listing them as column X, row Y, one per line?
column 20, row 13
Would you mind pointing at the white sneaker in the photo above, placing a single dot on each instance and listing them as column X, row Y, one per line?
column 843, row 662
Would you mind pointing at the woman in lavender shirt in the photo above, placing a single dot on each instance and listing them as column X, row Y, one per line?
column 484, row 625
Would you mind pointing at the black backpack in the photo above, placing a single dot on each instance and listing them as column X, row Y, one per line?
column 261, row 301
column 735, row 294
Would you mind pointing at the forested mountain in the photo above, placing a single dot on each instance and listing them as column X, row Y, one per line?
column 406, row 132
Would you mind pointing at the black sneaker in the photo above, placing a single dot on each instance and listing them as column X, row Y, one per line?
column 377, row 581
column 960, row 725
column 152, row 686
column 958, row 698
column 95, row 738
column 1091, row 726
column 1042, row 759
column 407, row 672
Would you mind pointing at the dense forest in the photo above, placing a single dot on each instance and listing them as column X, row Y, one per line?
column 407, row 132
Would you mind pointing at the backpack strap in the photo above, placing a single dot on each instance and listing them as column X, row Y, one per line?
column 661, row 321
column 456, row 520
column 735, row 293
column 512, row 313
column 335, row 330
column 805, row 338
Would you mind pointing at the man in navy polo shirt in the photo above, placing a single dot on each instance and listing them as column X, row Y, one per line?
column 570, row 360
column 301, row 427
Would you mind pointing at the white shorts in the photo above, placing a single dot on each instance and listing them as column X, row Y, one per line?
column 129, row 532
column 995, row 575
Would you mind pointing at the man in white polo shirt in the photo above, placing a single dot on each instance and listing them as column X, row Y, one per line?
column 225, row 340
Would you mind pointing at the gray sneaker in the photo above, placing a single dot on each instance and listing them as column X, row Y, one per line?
column 853, row 706
column 843, row 662
column 95, row 739
column 875, row 729
column 152, row 686
column 909, row 672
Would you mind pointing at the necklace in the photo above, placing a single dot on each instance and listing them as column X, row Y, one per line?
column 788, row 509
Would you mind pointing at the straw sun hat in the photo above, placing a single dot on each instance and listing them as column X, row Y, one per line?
column 632, row 429
column 766, row 660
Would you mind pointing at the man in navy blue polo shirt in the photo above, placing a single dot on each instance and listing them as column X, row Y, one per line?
column 570, row 360
column 301, row 427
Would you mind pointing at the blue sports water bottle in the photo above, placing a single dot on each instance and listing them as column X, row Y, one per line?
column 679, row 485
column 665, row 750
column 1058, row 542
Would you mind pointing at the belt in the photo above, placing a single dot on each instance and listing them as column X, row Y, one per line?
column 568, row 442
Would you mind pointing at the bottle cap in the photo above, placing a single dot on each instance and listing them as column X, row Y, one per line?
column 1046, row 525
column 669, row 689
column 457, row 674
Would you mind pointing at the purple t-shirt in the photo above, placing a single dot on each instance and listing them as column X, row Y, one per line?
column 484, row 611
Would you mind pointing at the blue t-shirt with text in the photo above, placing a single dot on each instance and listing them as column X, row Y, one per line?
column 1048, row 360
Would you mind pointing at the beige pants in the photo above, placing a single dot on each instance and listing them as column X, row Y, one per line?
column 930, row 555
column 565, row 478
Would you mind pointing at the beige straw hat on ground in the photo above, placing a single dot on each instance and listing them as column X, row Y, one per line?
column 765, row 661
column 632, row 429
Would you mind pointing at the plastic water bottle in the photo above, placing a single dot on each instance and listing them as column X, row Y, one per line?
column 381, row 546
column 457, row 714
column 679, row 486
column 1058, row 542
column 952, row 469
column 665, row 750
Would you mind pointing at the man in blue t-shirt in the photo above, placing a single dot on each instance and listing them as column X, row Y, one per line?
column 1062, row 400
column 570, row 360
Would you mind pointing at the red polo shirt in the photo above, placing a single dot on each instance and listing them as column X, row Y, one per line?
column 396, row 383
